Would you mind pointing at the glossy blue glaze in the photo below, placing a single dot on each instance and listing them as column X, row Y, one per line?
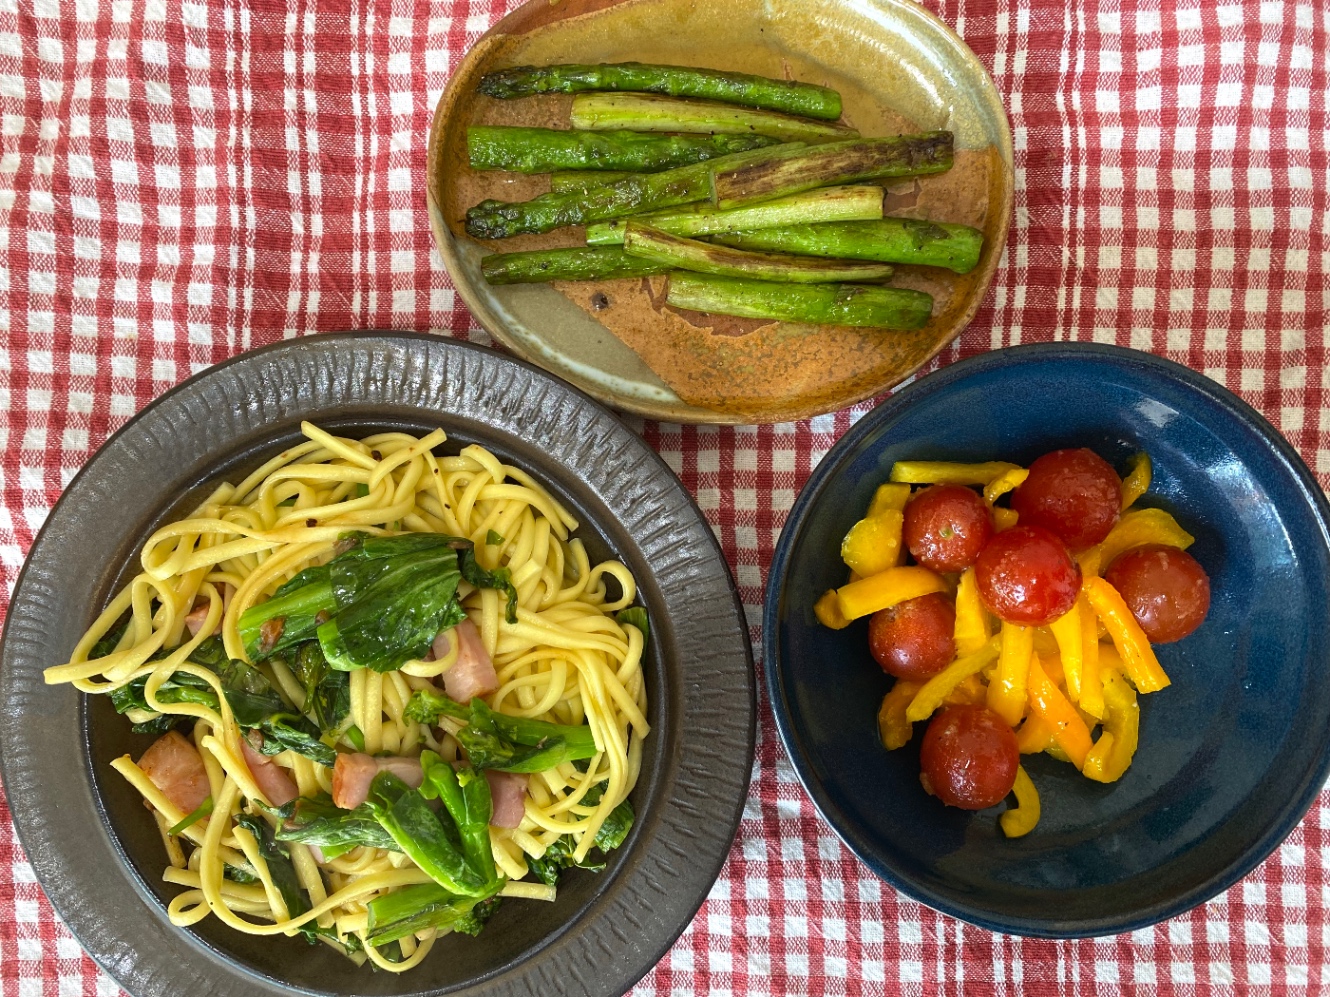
column 1232, row 754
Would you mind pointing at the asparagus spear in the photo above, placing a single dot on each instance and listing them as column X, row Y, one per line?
column 826, row 205
column 703, row 257
column 675, row 81
column 649, row 113
column 781, row 172
column 562, row 181
column 632, row 195
column 888, row 240
column 581, row 263
column 541, row 150
column 820, row 304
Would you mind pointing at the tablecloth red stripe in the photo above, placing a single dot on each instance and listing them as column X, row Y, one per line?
column 180, row 181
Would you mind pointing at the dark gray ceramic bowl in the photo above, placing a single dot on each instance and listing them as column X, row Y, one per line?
column 97, row 853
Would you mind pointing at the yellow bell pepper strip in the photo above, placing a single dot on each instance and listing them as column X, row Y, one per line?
column 1138, row 657
column 1112, row 754
column 1092, row 688
column 892, row 725
column 1025, row 815
column 889, row 497
column 1067, row 632
column 1004, row 519
column 1140, row 527
column 1044, row 642
column 970, row 691
column 874, row 544
column 1089, row 561
column 885, row 589
column 1006, row 692
column 936, row 689
column 1069, row 730
column 941, row 472
column 1137, row 481
column 1005, row 482
column 971, row 618
column 1034, row 736
column 827, row 611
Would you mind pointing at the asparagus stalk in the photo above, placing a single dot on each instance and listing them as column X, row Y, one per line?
column 888, row 240
column 703, row 257
column 818, row 304
column 781, row 172
column 581, row 263
column 542, row 150
column 649, row 113
column 632, row 195
column 674, row 81
column 562, row 181
column 826, row 205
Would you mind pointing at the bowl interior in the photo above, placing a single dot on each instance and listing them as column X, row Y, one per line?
column 898, row 68
column 1230, row 755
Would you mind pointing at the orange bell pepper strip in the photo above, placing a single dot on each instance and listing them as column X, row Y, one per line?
column 827, row 611
column 889, row 497
column 1006, row 691
column 1024, row 816
column 936, row 689
column 1112, row 754
column 1137, row 481
column 1138, row 528
column 892, row 726
column 1005, row 482
column 941, row 472
column 1034, row 736
column 885, row 589
column 874, row 543
column 1067, row 632
column 1069, row 730
column 1092, row 687
column 1138, row 657
column 971, row 630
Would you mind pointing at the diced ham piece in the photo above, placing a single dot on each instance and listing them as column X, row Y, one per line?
column 274, row 781
column 176, row 768
column 442, row 645
column 199, row 614
column 508, row 792
column 473, row 673
column 353, row 773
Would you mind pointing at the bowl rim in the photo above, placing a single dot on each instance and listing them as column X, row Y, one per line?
column 147, row 967
column 1287, row 818
column 680, row 411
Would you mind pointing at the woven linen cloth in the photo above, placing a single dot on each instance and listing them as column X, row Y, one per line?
column 180, row 181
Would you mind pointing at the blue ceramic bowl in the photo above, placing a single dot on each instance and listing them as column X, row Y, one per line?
column 1231, row 755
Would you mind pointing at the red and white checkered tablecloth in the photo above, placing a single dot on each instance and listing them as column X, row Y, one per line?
column 183, row 180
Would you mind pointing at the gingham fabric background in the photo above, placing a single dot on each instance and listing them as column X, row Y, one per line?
column 180, row 181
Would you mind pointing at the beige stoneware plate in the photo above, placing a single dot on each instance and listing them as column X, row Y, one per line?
column 898, row 68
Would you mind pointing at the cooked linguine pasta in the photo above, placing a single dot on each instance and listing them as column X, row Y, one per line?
column 169, row 647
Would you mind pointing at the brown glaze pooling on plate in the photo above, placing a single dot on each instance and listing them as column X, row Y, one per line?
column 721, row 368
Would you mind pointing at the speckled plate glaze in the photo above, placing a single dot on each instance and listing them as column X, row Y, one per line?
column 888, row 54
column 98, row 855
column 1231, row 754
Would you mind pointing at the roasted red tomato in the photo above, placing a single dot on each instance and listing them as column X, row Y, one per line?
column 969, row 757
column 1165, row 588
column 1025, row 575
column 914, row 639
column 1075, row 494
column 946, row 526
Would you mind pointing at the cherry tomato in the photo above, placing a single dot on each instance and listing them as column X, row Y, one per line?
column 1165, row 588
column 1025, row 575
column 1074, row 493
column 969, row 757
column 946, row 526
column 914, row 639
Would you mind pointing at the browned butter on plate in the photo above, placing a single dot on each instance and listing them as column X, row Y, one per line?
column 726, row 364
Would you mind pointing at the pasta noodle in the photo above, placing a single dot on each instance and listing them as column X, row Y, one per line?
column 561, row 658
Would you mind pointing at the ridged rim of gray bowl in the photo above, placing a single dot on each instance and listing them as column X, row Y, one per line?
column 693, row 805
